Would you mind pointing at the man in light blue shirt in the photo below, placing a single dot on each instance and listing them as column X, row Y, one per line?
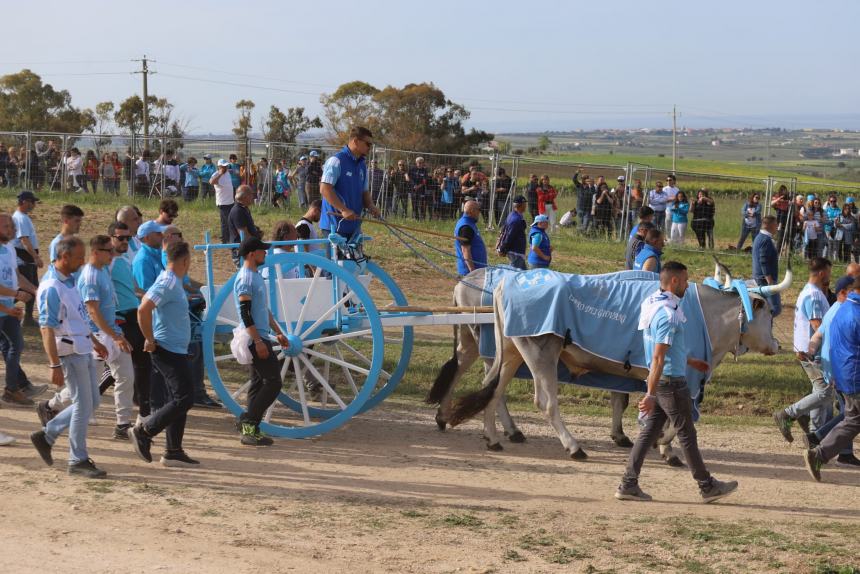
column 147, row 263
column 71, row 217
column 668, row 397
column 27, row 247
column 166, row 327
column 249, row 292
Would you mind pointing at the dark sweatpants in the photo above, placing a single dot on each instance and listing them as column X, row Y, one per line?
column 176, row 370
column 841, row 437
column 265, row 385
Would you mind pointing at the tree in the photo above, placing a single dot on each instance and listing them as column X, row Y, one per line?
column 28, row 104
column 101, row 122
column 544, row 142
column 129, row 116
column 285, row 128
column 352, row 104
column 242, row 126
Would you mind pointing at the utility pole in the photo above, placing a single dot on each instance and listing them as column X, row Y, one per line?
column 145, row 71
column 674, row 136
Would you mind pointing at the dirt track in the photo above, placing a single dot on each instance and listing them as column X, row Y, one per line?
column 390, row 493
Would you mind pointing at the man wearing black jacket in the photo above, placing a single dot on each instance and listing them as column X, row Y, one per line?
column 585, row 191
column 513, row 240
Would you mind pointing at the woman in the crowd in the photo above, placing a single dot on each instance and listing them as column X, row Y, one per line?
column 680, row 209
column 91, row 170
column 546, row 195
column 812, row 229
column 602, row 206
column 751, row 220
column 703, row 219
column 845, row 227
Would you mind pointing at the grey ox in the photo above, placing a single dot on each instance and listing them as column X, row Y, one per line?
column 728, row 329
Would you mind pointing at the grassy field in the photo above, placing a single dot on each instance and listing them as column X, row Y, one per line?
column 745, row 390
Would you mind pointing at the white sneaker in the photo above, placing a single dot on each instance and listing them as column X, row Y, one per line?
column 93, row 421
column 5, row 439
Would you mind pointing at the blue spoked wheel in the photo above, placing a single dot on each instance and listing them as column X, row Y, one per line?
column 322, row 388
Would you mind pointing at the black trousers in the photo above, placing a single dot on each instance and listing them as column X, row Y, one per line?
column 673, row 403
column 265, row 385
column 176, row 370
column 31, row 274
column 224, row 212
column 140, row 359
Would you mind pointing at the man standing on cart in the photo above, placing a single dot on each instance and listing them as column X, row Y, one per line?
column 344, row 186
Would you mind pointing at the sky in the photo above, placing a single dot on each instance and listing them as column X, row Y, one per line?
column 517, row 66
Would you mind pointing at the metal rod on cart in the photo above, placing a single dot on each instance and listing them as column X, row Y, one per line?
column 420, row 309
column 407, row 228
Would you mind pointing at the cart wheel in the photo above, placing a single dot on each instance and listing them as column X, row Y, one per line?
column 322, row 387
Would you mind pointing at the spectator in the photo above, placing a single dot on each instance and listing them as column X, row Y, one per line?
column 240, row 221
column 540, row 250
column 265, row 178
column 765, row 256
column 532, row 195
column 469, row 245
column 235, row 170
column 107, row 173
column 434, row 187
column 703, row 219
column 584, row 201
column 141, row 174
column 671, row 190
column 147, row 264
column 646, row 214
column 204, row 174
column 602, row 204
column 471, row 188
column 191, row 181
column 617, row 195
column 657, row 200
column 811, row 230
column 314, row 176
column 69, row 345
column 168, row 211
column 637, row 198
column 305, row 227
column 418, row 177
column 781, row 205
column 751, row 215
column 546, row 201
column 568, row 219
column 70, row 217
column 450, row 192
column 458, row 195
column 831, row 212
column 283, row 188
column 399, row 182
column 636, row 241
column 223, row 183
column 284, row 231
column 4, row 161
column 11, row 171
column 813, row 207
column 650, row 254
column 74, row 170
column 797, row 217
column 377, row 177
column 91, row 168
column 512, row 239
column 300, row 179
column 26, row 245
column 344, row 186
column 844, row 230
column 503, row 187
column 680, row 209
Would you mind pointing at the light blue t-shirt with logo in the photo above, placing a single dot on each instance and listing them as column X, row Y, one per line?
column 95, row 284
column 8, row 274
column 171, row 324
column 668, row 329
column 123, row 284
column 24, row 228
column 251, row 283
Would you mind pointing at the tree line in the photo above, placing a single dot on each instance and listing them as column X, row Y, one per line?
column 414, row 117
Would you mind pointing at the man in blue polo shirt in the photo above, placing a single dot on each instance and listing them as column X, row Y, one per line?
column 844, row 333
column 468, row 244
column 668, row 397
column 344, row 186
column 649, row 256
column 166, row 326
column 147, row 262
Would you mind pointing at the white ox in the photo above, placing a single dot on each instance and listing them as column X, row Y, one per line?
column 728, row 331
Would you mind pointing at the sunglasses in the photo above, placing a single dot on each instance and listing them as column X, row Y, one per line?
column 179, row 235
column 122, row 237
column 105, row 250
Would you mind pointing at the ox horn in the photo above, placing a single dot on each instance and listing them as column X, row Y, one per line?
column 768, row 290
column 727, row 283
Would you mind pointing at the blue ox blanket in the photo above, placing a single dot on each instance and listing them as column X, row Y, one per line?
column 599, row 313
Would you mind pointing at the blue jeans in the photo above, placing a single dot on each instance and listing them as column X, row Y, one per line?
column 586, row 221
column 82, row 380
column 11, row 345
column 746, row 232
column 659, row 218
column 817, row 404
column 822, row 432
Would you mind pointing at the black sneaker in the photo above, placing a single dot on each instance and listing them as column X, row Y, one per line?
column 207, row 403
column 717, row 490
column 783, row 423
column 848, row 461
column 141, row 442
column 251, row 436
column 813, row 465
column 32, row 391
column 803, row 422
column 120, row 432
column 87, row 469
column 45, row 412
column 178, row 459
column 43, row 447
column 632, row 493
column 17, row 398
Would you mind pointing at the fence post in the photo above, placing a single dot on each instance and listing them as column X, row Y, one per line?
column 28, row 162
column 491, row 211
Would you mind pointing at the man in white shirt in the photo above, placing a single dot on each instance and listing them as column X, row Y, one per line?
column 671, row 190
column 141, row 173
column 223, row 185
column 809, row 311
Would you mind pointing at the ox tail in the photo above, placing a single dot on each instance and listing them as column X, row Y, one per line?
column 445, row 377
column 470, row 405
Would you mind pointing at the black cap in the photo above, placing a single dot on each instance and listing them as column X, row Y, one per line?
column 251, row 244
column 519, row 199
column 845, row 282
column 28, row 196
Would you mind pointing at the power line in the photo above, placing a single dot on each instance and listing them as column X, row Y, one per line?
column 257, row 76
column 239, row 85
